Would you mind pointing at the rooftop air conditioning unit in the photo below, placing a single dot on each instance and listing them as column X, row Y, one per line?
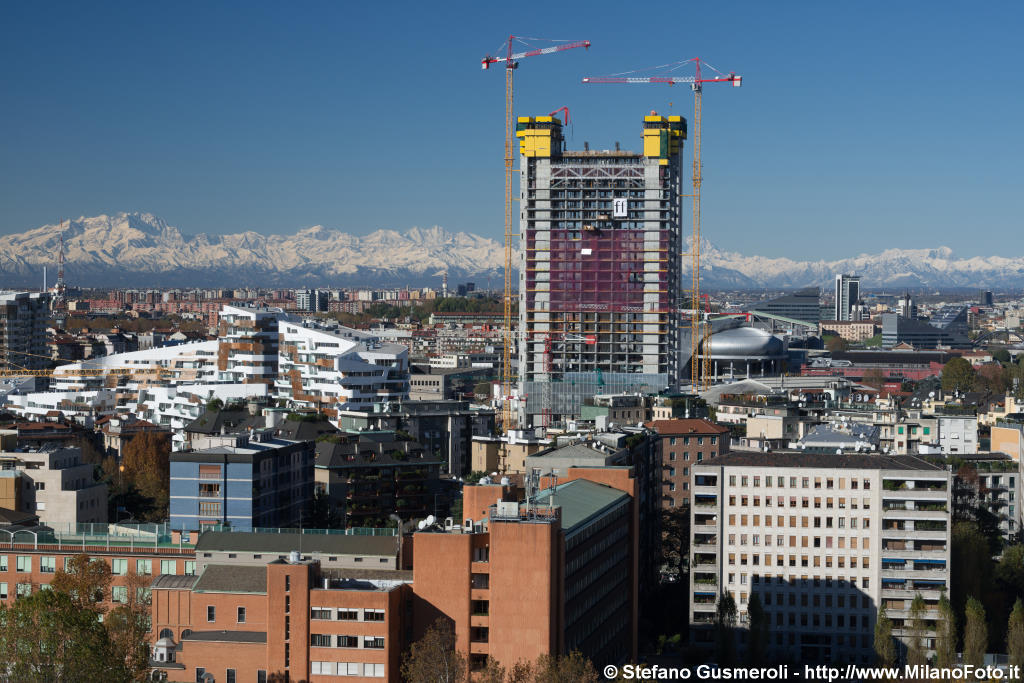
column 468, row 525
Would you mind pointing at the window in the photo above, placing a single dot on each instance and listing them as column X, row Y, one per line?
column 3, row 563
column 23, row 589
column 261, row 676
column 190, row 567
column 230, row 677
column 47, row 565
column 211, row 613
column 373, row 615
column 119, row 567
column 348, row 641
column 3, row 591
column 348, row 615
column 144, row 567
column 373, row 643
column 319, row 640
column 241, row 615
column 168, row 567
column 24, row 563
column 321, row 613
column 322, row 668
column 207, row 509
column 119, row 593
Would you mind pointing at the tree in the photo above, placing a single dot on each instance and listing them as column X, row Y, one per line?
column 675, row 539
column 493, row 672
column 129, row 623
column 836, row 343
column 47, row 637
column 945, row 634
column 571, row 668
column 434, row 658
column 957, row 375
column 975, row 633
column 873, row 378
column 1001, row 355
column 521, row 672
column 970, row 562
column 725, row 626
column 1015, row 635
column 758, row 643
column 917, row 652
column 86, row 581
column 885, row 649
column 146, row 460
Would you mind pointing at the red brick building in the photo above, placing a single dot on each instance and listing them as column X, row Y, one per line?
column 684, row 443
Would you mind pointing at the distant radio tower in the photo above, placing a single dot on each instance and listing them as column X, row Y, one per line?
column 444, row 285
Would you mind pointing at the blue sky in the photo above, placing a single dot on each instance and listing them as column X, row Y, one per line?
column 860, row 126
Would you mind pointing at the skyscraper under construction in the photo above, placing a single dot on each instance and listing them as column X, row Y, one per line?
column 600, row 238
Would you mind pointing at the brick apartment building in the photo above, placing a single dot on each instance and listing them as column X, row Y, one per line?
column 351, row 609
column 684, row 443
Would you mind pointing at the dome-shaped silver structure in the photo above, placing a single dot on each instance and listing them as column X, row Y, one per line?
column 746, row 343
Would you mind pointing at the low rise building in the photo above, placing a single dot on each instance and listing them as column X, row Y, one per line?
column 53, row 484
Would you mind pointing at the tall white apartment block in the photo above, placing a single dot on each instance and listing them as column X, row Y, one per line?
column 823, row 540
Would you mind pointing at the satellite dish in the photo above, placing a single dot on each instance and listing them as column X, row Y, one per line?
column 422, row 524
column 931, row 394
column 430, row 520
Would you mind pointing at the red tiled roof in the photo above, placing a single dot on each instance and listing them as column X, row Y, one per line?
column 686, row 426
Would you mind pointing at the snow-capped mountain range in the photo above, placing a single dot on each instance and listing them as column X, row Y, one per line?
column 140, row 249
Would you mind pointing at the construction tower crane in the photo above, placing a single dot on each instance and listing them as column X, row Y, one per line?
column 510, row 60
column 700, row 329
column 19, row 371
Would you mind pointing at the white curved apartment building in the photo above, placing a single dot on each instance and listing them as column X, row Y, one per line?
column 339, row 369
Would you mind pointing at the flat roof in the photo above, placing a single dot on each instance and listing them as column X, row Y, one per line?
column 581, row 500
column 285, row 542
column 859, row 461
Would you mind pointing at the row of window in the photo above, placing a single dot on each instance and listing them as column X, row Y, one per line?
column 347, row 669
column 780, row 561
column 805, row 541
column 345, row 614
column 326, row 640
column 812, row 522
column 211, row 614
column 804, row 581
column 118, row 566
column 686, row 440
column 805, row 482
column 780, row 501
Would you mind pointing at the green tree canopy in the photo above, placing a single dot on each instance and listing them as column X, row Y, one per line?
column 957, row 375
column 946, row 634
column 1015, row 635
column 975, row 633
column 46, row 637
column 434, row 657
column 885, row 649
